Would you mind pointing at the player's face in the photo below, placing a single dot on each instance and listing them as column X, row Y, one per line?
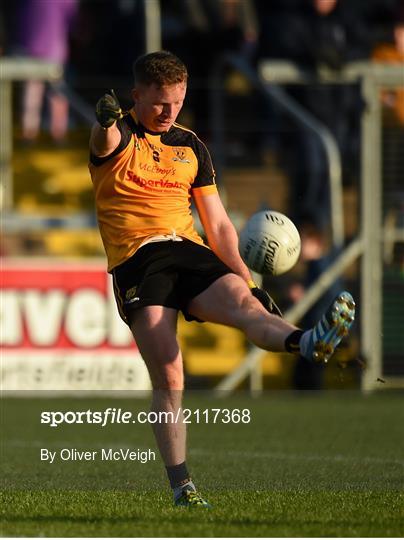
column 158, row 107
column 324, row 7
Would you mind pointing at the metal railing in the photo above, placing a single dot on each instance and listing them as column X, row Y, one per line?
column 16, row 69
column 293, row 315
column 152, row 25
column 26, row 68
column 371, row 78
column 274, row 93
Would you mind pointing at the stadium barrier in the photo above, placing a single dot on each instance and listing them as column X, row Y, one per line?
column 60, row 329
column 272, row 91
column 16, row 69
column 373, row 236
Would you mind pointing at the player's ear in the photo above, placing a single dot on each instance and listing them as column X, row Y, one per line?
column 135, row 94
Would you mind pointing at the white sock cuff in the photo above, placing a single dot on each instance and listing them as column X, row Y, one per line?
column 177, row 491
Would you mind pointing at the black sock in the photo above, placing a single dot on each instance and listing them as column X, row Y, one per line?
column 178, row 475
column 292, row 342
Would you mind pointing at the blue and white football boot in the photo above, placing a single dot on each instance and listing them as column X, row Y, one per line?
column 319, row 343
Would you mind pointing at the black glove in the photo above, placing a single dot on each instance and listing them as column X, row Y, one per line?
column 108, row 110
column 266, row 301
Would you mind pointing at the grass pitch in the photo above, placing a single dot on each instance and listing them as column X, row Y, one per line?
column 328, row 464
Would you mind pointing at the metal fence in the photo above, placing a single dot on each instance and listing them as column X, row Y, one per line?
column 378, row 244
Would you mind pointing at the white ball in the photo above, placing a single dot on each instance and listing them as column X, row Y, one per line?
column 269, row 243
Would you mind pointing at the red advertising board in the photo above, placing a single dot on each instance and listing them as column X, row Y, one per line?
column 63, row 314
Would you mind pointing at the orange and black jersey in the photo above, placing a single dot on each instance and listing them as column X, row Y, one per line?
column 144, row 188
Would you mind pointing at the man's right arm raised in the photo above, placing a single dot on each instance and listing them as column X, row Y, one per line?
column 105, row 135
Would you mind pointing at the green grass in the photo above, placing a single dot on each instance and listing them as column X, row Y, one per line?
column 329, row 464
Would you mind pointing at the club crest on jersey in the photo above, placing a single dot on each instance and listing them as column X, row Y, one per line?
column 180, row 155
column 156, row 151
column 130, row 296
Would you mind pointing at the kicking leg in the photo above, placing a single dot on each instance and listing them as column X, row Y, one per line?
column 229, row 301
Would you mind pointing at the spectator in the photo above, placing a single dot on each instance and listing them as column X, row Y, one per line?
column 393, row 129
column 323, row 32
column 200, row 31
column 42, row 32
column 393, row 53
column 314, row 34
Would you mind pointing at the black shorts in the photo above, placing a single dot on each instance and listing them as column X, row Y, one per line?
column 167, row 273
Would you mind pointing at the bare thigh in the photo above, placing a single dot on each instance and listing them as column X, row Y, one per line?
column 229, row 301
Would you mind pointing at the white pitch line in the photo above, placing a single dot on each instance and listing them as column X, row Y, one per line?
column 17, row 443
column 297, row 457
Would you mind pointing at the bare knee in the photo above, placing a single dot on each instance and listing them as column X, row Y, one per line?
column 227, row 301
column 248, row 310
column 168, row 387
column 165, row 368
column 248, row 302
column 170, row 376
column 154, row 330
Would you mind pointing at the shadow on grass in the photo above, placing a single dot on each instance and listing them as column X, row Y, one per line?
column 202, row 522
column 192, row 513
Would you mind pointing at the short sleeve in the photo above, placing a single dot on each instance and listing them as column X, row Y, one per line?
column 206, row 174
column 126, row 135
